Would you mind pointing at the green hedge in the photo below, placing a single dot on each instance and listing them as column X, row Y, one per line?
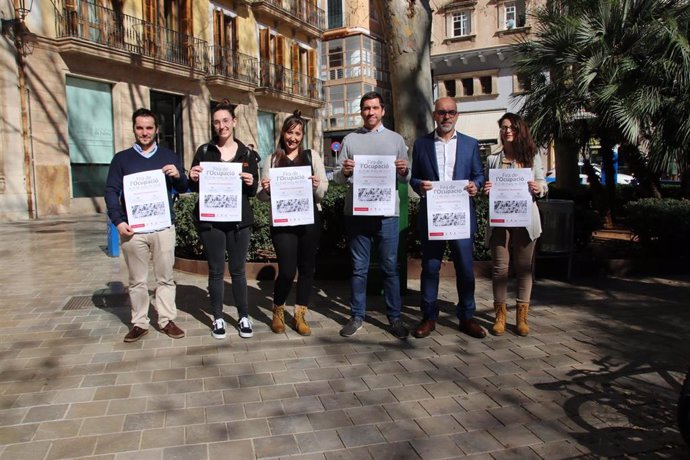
column 333, row 238
column 661, row 225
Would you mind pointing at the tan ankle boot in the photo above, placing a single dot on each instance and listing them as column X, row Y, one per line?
column 499, row 326
column 301, row 325
column 278, row 324
column 522, row 327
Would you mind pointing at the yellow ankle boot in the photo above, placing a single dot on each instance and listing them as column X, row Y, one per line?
column 301, row 325
column 522, row 327
column 499, row 326
column 278, row 323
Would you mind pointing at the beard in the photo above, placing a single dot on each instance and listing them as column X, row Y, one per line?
column 445, row 129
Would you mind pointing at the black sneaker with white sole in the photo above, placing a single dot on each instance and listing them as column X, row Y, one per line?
column 245, row 327
column 218, row 329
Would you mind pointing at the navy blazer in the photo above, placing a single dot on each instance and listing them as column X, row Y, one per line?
column 468, row 166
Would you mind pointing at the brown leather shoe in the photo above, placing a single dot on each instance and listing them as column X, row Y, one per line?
column 426, row 327
column 135, row 334
column 472, row 328
column 172, row 330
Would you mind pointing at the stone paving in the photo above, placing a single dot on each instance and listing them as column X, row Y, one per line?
column 598, row 376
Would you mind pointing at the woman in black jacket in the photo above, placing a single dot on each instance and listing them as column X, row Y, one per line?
column 231, row 237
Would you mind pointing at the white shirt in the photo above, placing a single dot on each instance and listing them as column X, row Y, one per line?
column 445, row 155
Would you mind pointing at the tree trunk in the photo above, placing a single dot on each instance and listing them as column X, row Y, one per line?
column 607, row 169
column 685, row 183
column 407, row 30
column 567, row 172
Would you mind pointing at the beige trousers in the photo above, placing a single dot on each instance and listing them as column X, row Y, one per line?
column 505, row 240
column 138, row 250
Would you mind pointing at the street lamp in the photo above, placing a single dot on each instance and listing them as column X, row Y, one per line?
column 22, row 11
column 16, row 24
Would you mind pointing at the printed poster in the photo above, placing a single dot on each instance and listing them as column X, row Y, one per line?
column 146, row 200
column 220, row 192
column 510, row 203
column 292, row 197
column 448, row 211
column 373, row 185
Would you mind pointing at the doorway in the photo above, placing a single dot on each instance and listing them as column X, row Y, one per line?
column 168, row 107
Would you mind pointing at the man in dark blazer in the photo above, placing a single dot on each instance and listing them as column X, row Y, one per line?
column 444, row 155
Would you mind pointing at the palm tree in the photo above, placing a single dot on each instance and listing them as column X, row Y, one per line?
column 617, row 70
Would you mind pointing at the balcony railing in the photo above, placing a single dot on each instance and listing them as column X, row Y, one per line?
column 279, row 78
column 117, row 30
column 304, row 10
column 230, row 63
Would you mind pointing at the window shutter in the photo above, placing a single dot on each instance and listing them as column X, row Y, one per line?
column 312, row 70
column 295, row 58
column 264, row 44
column 186, row 23
column 150, row 27
column 280, row 50
column 264, row 52
column 217, row 29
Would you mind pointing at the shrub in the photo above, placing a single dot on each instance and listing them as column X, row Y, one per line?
column 661, row 225
column 333, row 237
column 481, row 251
column 187, row 243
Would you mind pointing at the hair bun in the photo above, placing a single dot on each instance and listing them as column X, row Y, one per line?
column 297, row 113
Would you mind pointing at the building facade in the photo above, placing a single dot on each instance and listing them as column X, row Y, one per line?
column 73, row 71
column 353, row 62
column 471, row 58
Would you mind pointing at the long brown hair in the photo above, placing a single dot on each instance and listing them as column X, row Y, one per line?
column 280, row 156
column 523, row 145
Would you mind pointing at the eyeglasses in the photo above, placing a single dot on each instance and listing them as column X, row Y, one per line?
column 443, row 113
column 508, row 128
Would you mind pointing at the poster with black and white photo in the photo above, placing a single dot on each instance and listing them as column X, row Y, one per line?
column 292, row 196
column 220, row 192
column 146, row 200
column 448, row 210
column 373, row 185
column 510, row 203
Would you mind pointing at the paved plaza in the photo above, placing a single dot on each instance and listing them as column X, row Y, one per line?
column 598, row 377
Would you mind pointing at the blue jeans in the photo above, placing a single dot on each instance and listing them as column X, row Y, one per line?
column 461, row 253
column 384, row 233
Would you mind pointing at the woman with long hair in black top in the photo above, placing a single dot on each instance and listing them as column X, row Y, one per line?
column 295, row 246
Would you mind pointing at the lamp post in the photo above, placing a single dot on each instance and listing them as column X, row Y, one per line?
column 17, row 28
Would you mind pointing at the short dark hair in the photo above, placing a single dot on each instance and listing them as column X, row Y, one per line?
column 371, row 95
column 142, row 112
column 224, row 105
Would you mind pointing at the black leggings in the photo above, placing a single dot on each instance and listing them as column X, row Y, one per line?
column 219, row 239
column 296, row 249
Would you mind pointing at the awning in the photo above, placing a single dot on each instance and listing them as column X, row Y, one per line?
column 480, row 125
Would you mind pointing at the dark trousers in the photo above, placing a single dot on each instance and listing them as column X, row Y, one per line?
column 296, row 249
column 432, row 255
column 218, row 240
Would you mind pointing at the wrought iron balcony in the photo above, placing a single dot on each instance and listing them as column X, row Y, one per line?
column 116, row 30
column 278, row 78
column 227, row 62
column 305, row 11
